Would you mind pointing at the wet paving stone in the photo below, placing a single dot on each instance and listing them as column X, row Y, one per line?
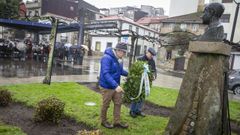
column 30, row 68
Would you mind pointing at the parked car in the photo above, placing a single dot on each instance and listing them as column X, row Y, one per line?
column 234, row 81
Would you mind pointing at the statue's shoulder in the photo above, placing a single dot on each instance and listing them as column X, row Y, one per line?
column 217, row 27
column 214, row 33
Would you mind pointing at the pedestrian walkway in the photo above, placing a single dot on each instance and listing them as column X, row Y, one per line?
column 68, row 72
column 58, row 78
column 162, row 80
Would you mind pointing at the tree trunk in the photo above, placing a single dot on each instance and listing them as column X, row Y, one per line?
column 47, row 79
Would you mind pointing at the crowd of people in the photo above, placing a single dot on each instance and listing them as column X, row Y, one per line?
column 22, row 50
column 27, row 50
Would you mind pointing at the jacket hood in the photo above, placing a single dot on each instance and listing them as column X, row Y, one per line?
column 109, row 51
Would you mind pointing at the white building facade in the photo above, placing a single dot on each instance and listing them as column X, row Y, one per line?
column 228, row 18
column 100, row 43
column 227, row 21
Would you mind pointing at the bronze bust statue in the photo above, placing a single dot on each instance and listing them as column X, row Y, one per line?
column 211, row 17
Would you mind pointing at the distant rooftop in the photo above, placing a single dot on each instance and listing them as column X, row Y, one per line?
column 188, row 18
column 122, row 18
column 149, row 20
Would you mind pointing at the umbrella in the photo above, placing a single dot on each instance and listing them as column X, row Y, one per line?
column 21, row 46
column 68, row 45
column 85, row 47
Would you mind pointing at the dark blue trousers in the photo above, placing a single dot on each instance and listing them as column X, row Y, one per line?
column 136, row 107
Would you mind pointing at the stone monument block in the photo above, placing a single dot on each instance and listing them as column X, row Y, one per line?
column 198, row 110
column 201, row 107
column 210, row 47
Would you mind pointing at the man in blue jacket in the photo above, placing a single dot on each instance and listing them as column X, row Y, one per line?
column 109, row 81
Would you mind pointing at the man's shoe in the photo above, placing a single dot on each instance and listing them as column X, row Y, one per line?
column 120, row 125
column 141, row 114
column 107, row 125
column 132, row 114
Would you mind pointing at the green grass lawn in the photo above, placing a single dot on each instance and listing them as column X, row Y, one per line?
column 235, row 110
column 163, row 96
column 167, row 97
column 75, row 95
column 10, row 130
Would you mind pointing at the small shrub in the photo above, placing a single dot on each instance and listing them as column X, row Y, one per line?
column 50, row 109
column 5, row 97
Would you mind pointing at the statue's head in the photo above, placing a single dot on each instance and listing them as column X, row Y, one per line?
column 212, row 11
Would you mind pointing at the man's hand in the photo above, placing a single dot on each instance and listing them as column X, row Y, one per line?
column 154, row 77
column 119, row 89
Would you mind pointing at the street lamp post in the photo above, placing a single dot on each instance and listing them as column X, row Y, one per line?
column 81, row 29
column 235, row 19
column 81, row 15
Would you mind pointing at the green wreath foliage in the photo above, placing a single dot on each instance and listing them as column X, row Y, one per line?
column 132, row 85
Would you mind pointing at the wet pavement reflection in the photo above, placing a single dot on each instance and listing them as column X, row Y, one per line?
column 29, row 68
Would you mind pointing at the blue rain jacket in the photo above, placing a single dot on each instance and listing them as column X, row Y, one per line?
column 111, row 70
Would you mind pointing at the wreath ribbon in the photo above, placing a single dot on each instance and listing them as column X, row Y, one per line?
column 145, row 81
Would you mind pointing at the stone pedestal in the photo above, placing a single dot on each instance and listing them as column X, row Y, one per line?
column 198, row 110
column 209, row 47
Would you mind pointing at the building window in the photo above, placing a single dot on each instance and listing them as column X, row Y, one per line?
column 171, row 26
column 29, row 13
column 130, row 27
column 225, row 18
column 97, row 46
column 183, row 26
column 109, row 44
column 145, row 49
column 227, row 1
column 36, row 13
column 169, row 55
column 137, row 30
column 195, row 27
column 225, row 36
